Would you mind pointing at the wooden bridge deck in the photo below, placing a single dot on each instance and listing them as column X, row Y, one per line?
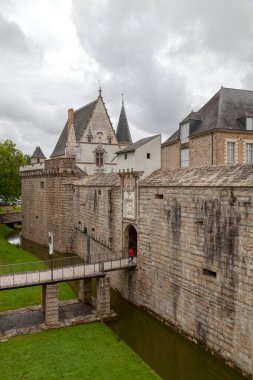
column 61, row 274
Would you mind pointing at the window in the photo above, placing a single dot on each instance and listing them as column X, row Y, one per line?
column 249, row 153
column 125, row 156
column 42, row 185
column 99, row 159
column 109, row 140
column 184, row 158
column 249, row 123
column 230, row 152
column 148, row 155
column 184, row 133
column 89, row 139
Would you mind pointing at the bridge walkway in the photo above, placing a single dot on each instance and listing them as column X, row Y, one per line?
column 21, row 275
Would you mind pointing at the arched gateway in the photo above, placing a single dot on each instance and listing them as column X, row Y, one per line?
column 130, row 239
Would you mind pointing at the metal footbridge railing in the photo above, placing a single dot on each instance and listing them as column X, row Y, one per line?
column 58, row 270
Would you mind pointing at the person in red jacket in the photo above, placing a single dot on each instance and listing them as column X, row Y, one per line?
column 131, row 255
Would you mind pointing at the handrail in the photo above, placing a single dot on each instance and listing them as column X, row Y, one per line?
column 43, row 264
column 74, row 268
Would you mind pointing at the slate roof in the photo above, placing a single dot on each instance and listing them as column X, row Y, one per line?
column 38, row 153
column 215, row 176
column 138, row 144
column 110, row 179
column 123, row 133
column 81, row 119
column 220, row 112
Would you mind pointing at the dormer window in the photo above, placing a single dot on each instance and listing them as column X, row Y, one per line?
column 184, row 133
column 249, row 123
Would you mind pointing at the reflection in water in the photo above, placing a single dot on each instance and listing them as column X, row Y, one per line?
column 172, row 356
column 14, row 238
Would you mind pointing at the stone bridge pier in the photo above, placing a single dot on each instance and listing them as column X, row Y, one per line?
column 50, row 301
column 50, row 304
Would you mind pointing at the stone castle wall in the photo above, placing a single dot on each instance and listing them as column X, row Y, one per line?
column 47, row 203
column 97, row 219
column 195, row 265
column 195, row 231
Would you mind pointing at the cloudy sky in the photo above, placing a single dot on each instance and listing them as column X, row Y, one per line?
column 167, row 56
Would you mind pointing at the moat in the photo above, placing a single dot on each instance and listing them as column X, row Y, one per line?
column 172, row 356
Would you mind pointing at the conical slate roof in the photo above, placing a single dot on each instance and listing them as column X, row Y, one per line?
column 123, row 132
column 38, row 153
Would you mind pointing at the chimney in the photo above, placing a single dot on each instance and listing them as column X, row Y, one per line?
column 70, row 150
column 70, row 120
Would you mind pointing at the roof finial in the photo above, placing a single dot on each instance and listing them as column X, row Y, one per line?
column 99, row 89
column 122, row 99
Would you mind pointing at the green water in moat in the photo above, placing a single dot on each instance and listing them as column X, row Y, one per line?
column 171, row 355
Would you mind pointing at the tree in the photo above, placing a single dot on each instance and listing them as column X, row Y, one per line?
column 28, row 159
column 10, row 161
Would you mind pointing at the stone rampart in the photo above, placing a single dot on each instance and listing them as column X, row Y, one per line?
column 47, row 203
column 195, row 238
column 195, row 257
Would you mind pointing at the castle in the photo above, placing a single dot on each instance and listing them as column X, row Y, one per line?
column 191, row 228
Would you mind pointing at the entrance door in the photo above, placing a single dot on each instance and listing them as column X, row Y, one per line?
column 132, row 239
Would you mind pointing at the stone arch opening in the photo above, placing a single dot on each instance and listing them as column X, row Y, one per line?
column 131, row 239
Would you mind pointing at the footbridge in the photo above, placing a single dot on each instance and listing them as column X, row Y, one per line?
column 13, row 276
column 10, row 218
column 49, row 273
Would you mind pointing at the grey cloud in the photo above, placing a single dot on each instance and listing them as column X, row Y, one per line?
column 125, row 42
column 146, row 49
column 125, row 38
column 15, row 44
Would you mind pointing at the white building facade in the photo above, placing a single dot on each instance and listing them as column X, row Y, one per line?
column 89, row 136
column 142, row 156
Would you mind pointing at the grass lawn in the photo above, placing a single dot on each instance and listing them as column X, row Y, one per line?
column 17, row 298
column 89, row 351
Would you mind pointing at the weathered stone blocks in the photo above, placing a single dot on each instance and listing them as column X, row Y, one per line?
column 103, row 297
column 50, row 304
